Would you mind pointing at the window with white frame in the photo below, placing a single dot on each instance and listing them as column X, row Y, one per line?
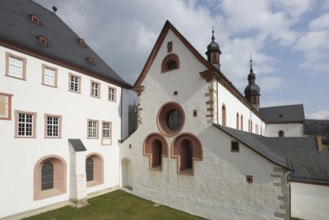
column 106, row 132
column 49, row 77
column 74, row 83
column 16, row 66
column 95, row 89
column 92, row 129
column 25, row 124
column 53, row 126
column 5, row 106
column 112, row 94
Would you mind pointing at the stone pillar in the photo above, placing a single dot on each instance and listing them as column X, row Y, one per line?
column 78, row 182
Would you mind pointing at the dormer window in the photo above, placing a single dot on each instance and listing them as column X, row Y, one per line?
column 43, row 40
column 82, row 42
column 170, row 62
column 35, row 19
column 91, row 61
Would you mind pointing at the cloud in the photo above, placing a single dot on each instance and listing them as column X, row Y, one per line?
column 321, row 23
column 270, row 83
column 319, row 115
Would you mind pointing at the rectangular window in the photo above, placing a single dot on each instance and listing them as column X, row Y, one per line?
column 5, row 106
column 106, row 133
column 15, row 66
column 112, row 94
column 235, row 146
column 49, row 76
column 74, row 84
column 92, row 129
column 25, row 124
column 95, row 89
column 53, row 125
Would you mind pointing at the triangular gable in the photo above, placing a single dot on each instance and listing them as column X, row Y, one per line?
column 168, row 26
column 210, row 72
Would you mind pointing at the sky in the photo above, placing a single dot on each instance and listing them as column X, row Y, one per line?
column 288, row 39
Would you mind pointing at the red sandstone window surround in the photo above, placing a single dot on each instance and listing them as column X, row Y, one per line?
column 15, row 66
column 156, row 148
column 169, row 63
column 49, row 177
column 94, row 170
column 187, row 149
column 5, row 106
column 170, row 119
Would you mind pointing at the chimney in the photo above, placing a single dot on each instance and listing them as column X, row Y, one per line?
column 319, row 141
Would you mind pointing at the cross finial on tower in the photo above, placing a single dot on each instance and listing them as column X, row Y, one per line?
column 213, row 34
column 251, row 62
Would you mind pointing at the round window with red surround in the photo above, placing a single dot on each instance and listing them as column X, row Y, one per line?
column 170, row 119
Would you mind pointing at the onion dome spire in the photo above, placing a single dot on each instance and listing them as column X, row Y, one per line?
column 213, row 51
column 252, row 91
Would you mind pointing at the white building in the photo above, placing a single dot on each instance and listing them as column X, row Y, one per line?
column 204, row 148
column 61, row 107
column 200, row 145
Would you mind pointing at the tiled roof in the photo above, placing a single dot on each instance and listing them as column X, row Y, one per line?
column 283, row 114
column 63, row 44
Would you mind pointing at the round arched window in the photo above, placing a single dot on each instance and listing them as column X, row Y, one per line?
column 170, row 119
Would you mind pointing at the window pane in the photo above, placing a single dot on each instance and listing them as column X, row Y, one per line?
column 49, row 77
column 4, row 106
column 52, row 126
column 15, row 67
column 90, row 169
column 47, row 176
column 25, row 125
column 106, row 130
column 92, row 129
column 174, row 120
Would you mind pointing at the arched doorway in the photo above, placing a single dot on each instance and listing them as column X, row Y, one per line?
column 126, row 174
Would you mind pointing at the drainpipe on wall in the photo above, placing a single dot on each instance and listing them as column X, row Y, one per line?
column 289, row 173
column 217, row 102
column 121, row 103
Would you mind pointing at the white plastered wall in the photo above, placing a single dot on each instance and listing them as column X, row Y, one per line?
column 218, row 188
column 19, row 155
column 309, row 201
column 234, row 106
column 290, row 130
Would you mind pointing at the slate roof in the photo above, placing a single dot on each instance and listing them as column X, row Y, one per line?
column 77, row 145
column 297, row 153
column 256, row 145
column 283, row 114
column 289, row 143
column 63, row 44
column 309, row 166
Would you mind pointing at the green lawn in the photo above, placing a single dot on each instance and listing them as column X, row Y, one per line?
column 116, row 205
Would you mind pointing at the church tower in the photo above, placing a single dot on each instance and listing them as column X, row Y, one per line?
column 213, row 52
column 252, row 91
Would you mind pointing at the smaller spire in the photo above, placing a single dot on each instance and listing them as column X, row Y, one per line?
column 213, row 34
column 251, row 70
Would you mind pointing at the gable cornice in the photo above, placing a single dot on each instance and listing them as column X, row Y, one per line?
column 168, row 26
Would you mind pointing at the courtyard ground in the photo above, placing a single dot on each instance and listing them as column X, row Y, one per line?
column 115, row 205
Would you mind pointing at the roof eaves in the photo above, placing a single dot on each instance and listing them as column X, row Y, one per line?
column 284, row 164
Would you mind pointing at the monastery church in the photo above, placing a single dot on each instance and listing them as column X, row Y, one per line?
column 200, row 146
